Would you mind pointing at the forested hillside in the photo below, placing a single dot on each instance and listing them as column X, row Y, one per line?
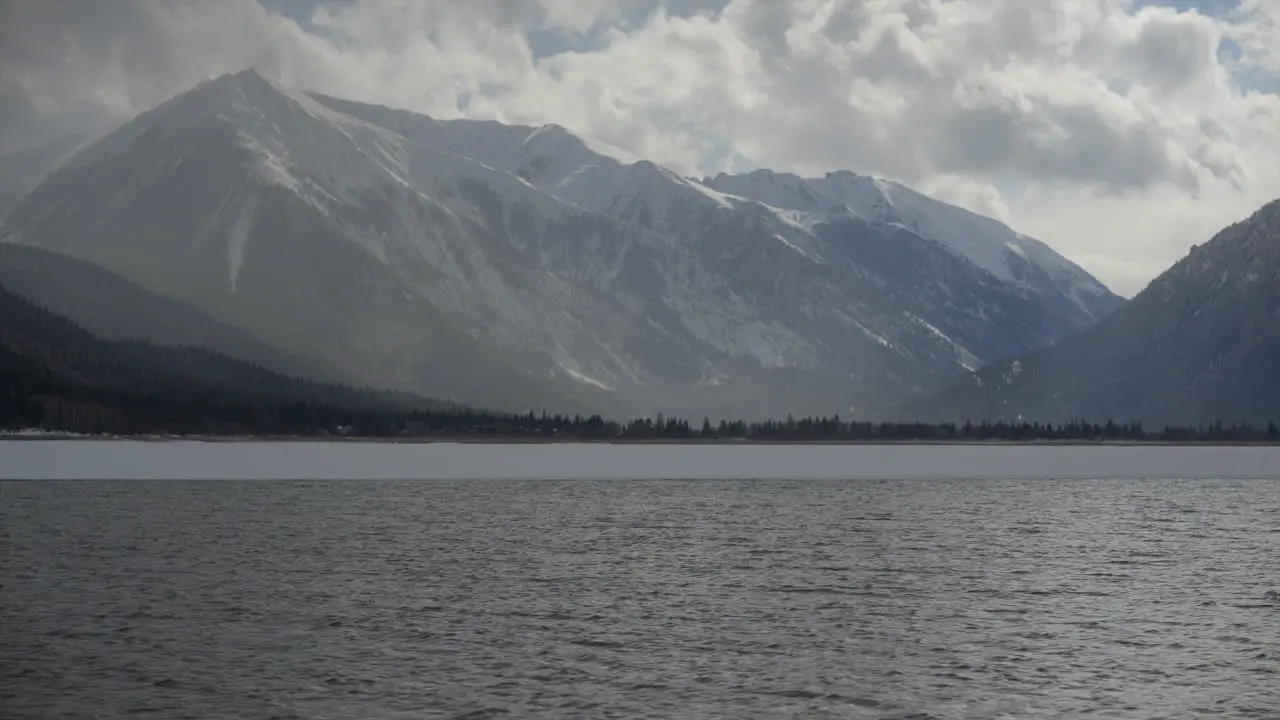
column 55, row 374
column 58, row 377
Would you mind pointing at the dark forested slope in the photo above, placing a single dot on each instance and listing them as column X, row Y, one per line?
column 53, row 373
column 1200, row 344
column 112, row 308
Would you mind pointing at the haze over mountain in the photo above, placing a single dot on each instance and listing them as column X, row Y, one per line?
column 1200, row 344
column 22, row 170
column 517, row 267
column 55, row 371
column 113, row 309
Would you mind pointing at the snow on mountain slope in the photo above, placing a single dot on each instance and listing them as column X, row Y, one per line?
column 512, row 265
column 592, row 175
column 987, row 243
column 611, row 182
column 296, row 141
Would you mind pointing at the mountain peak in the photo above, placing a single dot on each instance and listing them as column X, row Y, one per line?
column 249, row 74
column 245, row 93
column 845, row 176
column 246, row 80
column 247, row 87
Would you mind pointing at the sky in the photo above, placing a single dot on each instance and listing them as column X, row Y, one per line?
column 1120, row 132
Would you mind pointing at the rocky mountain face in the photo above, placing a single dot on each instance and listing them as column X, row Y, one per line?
column 895, row 231
column 518, row 267
column 1200, row 344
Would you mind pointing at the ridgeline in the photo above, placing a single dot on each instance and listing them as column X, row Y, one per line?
column 58, row 378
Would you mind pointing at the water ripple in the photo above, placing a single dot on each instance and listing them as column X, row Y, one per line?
column 706, row 599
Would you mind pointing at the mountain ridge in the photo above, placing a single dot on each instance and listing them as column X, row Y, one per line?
column 113, row 309
column 516, row 266
column 49, row 364
column 1200, row 344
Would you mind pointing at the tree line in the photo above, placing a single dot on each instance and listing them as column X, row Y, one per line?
column 109, row 411
column 57, row 377
column 836, row 429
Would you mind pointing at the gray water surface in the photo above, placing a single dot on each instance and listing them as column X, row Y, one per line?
column 640, row 599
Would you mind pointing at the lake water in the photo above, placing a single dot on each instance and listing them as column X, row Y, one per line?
column 977, row 594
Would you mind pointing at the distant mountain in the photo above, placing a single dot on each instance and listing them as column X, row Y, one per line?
column 1054, row 292
column 518, row 267
column 1200, row 344
column 112, row 308
column 47, row 361
column 183, row 203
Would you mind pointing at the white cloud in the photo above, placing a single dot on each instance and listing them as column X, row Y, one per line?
column 1119, row 134
column 1258, row 33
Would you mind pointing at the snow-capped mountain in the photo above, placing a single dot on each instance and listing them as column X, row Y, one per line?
column 1009, row 256
column 1200, row 344
column 517, row 266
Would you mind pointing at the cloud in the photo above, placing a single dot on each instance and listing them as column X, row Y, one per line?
column 71, row 65
column 1052, row 116
column 1258, row 34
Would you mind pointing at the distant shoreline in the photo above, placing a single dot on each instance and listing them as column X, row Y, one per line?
column 525, row 440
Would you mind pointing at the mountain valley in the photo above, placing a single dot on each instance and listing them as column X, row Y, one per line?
column 1201, row 344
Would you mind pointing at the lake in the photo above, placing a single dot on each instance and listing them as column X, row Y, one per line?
column 311, row 580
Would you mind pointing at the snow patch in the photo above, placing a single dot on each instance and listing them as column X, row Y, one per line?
column 967, row 359
column 238, row 237
column 583, row 377
column 873, row 335
column 719, row 198
column 710, row 380
column 799, row 220
column 791, row 245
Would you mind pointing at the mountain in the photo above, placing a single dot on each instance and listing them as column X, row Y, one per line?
column 513, row 267
column 1200, row 344
column 1053, row 290
column 112, row 308
column 847, row 263
column 50, row 365
column 185, row 203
